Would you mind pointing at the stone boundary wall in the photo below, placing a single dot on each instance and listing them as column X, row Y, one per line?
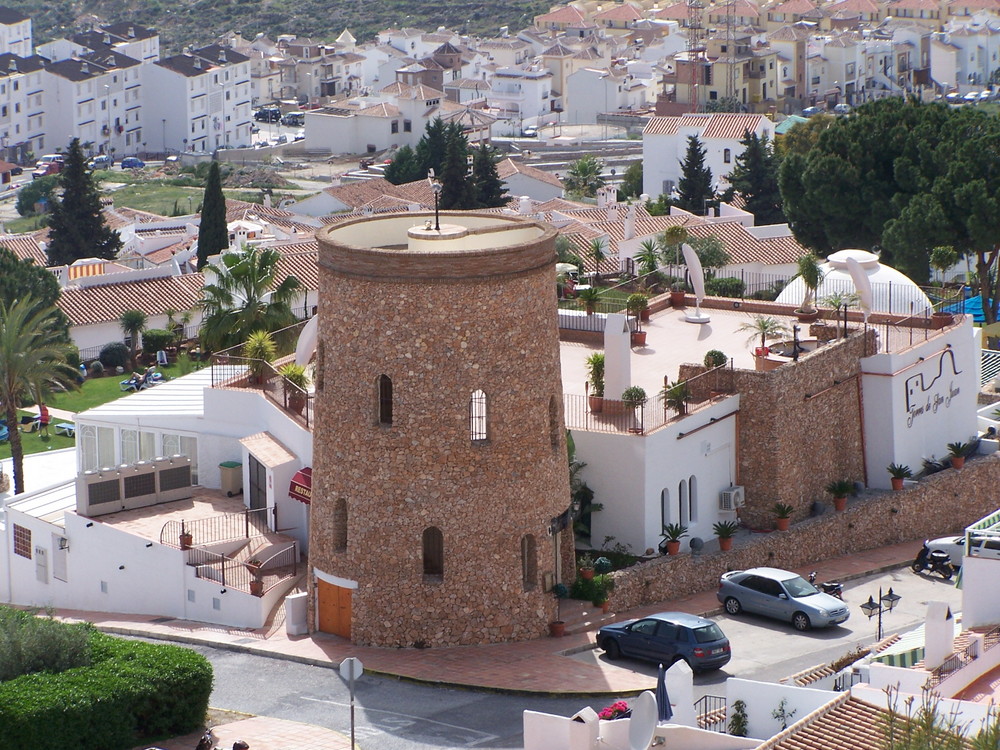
column 943, row 503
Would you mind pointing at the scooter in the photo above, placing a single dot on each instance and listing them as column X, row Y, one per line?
column 833, row 588
column 937, row 561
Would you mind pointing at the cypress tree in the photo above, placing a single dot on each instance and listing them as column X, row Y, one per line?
column 457, row 189
column 490, row 189
column 695, row 185
column 755, row 179
column 431, row 147
column 213, row 234
column 76, row 224
column 404, row 167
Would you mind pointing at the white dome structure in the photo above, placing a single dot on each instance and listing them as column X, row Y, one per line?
column 892, row 292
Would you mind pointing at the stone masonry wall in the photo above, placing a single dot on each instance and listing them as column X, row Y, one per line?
column 943, row 503
column 439, row 340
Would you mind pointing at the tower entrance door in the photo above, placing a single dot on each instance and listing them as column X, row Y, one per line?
column 333, row 604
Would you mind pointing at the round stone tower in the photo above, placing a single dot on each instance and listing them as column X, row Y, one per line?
column 440, row 470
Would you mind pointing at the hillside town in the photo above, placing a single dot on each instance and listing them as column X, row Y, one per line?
column 532, row 365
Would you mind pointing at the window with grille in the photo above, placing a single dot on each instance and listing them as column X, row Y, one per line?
column 384, row 399
column 433, row 544
column 22, row 541
column 477, row 416
column 529, row 562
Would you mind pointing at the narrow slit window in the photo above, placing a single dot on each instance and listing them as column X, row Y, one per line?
column 477, row 416
column 433, row 544
column 384, row 400
column 529, row 562
column 340, row 524
column 554, row 422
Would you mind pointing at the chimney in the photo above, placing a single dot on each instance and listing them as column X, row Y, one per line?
column 222, row 56
column 524, row 205
column 629, row 228
column 84, row 68
column 197, row 63
column 612, row 211
column 131, row 32
column 13, row 65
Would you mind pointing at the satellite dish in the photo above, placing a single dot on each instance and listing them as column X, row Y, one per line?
column 643, row 723
column 308, row 339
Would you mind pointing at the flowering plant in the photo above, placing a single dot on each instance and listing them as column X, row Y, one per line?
column 617, row 710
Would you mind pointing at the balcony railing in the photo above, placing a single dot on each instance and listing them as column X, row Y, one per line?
column 711, row 713
column 241, row 575
column 970, row 653
column 221, row 528
column 229, row 371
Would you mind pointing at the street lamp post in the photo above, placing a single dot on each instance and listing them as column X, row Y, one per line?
column 436, row 188
column 885, row 603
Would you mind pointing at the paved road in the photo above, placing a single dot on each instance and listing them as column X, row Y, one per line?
column 766, row 649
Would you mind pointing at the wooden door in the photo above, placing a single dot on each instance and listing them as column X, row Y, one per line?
column 334, row 606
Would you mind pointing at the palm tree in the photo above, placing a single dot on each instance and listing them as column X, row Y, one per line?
column 811, row 275
column 670, row 241
column 32, row 357
column 584, row 176
column 246, row 297
column 597, row 254
column 648, row 258
column 133, row 323
column 764, row 326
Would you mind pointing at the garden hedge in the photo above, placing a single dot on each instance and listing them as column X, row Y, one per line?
column 131, row 692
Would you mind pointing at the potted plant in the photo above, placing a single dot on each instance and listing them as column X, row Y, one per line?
column 185, row 539
column 633, row 396
column 783, row 514
column 725, row 530
column 675, row 396
column 811, row 275
column 296, row 383
column 589, row 298
column 256, row 587
column 678, row 294
column 600, row 591
column 557, row 628
column 253, row 565
column 586, row 567
column 595, row 377
column 260, row 350
column 839, row 489
column 899, row 472
column 602, row 566
column 638, row 305
column 766, row 328
column 958, row 452
column 672, row 535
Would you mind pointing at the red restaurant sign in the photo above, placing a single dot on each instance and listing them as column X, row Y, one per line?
column 301, row 486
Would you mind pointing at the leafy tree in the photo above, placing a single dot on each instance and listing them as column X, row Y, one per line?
column 133, row 323
column 906, row 177
column 457, row 188
column 33, row 356
column 631, row 186
column 804, row 135
column 213, row 232
column 755, row 180
column 246, row 296
column 695, row 184
column 490, row 189
column 76, row 226
column 724, row 104
column 23, row 278
column 670, row 241
column 431, row 147
column 711, row 251
column 405, row 167
column 34, row 191
column 566, row 251
column 583, row 177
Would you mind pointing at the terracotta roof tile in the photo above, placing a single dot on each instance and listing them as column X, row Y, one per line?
column 844, row 722
column 26, row 246
column 107, row 302
column 743, row 247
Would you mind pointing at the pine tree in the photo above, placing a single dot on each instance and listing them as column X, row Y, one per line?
column 695, row 185
column 213, row 233
column 755, row 180
column 457, row 189
column 404, row 167
column 76, row 224
column 430, row 149
column 490, row 189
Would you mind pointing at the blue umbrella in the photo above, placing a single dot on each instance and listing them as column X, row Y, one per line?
column 663, row 711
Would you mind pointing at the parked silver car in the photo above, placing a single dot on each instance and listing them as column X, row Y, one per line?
column 955, row 547
column 782, row 595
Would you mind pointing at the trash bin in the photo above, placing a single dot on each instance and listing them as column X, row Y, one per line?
column 231, row 477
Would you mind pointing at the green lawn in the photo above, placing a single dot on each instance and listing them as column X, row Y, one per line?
column 93, row 392
column 33, row 442
column 161, row 199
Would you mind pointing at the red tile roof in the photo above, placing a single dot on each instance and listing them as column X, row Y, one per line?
column 26, row 246
column 106, row 302
column 845, row 723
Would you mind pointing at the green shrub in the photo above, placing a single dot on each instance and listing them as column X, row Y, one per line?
column 156, row 339
column 73, row 357
column 725, row 287
column 715, row 358
column 30, row 644
column 115, row 354
column 96, row 369
column 132, row 691
column 590, row 590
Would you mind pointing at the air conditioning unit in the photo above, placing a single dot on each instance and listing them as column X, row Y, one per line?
column 732, row 498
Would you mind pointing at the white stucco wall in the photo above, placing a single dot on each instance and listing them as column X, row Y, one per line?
column 762, row 698
column 980, row 603
column 634, row 471
column 918, row 400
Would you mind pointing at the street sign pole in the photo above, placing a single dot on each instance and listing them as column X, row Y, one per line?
column 350, row 669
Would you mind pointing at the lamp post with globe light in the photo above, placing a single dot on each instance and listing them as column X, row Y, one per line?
column 885, row 603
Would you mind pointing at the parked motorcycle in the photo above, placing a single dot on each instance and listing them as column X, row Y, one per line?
column 937, row 561
column 833, row 588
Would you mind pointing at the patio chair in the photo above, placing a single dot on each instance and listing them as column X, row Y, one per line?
column 161, row 359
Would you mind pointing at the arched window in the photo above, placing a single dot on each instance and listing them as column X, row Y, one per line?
column 340, row 524
column 384, row 400
column 682, row 503
column 664, row 507
column 554, row 422
column 433, row 543
column 477, row 416
column 529, row 562
column 693, row 498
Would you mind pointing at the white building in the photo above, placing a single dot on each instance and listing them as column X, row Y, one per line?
column 15, row 33
column 521, row 94
column 592, row 91
column 665, row 142
column 199, row 100
column 138, row 42
column 22, row 107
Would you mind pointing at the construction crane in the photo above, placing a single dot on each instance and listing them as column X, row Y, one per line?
column 695, row 46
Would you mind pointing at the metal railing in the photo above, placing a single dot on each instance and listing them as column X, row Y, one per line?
column 970, row 653
column 230, row 371
column 991, row 366
column 241, row 575
column 221, row 528
column 991, row 638
column 711, row 713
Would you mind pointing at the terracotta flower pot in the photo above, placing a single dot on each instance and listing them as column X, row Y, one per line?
column 725, row 543
column 840, row 504
column 807, row 316
column 557, row 629
column 596, row 404
column 605, row 607
column 644, row 315
column 673, row 548
column 957, row 462
column 782, row 524
column 638, row 338
column 257, row 587
column 185, row 541
column 678, row 299
column 587, row 574
column 897, row 483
